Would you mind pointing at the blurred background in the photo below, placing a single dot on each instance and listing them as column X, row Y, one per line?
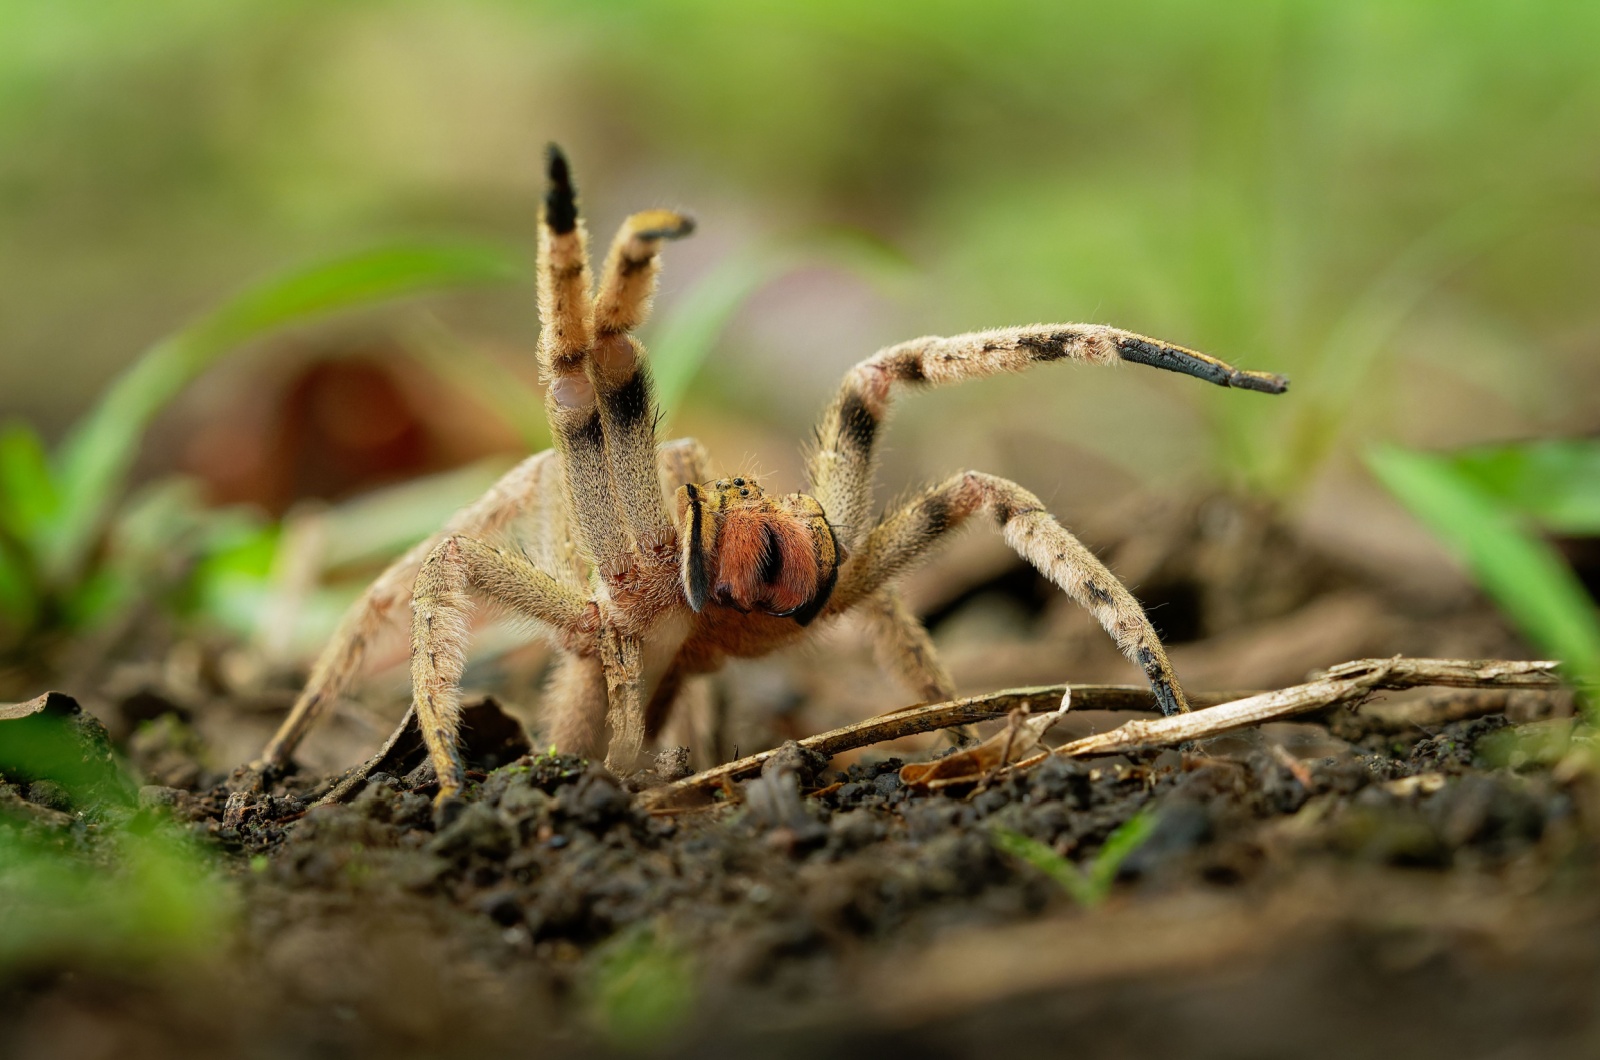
column 1394, row 205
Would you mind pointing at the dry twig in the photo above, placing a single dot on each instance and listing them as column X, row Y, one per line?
column 1218, row 713
column 1346, row 683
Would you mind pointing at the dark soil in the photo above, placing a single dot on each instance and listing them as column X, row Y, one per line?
column 1358, row 884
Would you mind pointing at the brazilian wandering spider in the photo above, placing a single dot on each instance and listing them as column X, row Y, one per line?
column 643, row 570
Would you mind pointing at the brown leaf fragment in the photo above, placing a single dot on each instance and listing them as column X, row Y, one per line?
column 1022, row 734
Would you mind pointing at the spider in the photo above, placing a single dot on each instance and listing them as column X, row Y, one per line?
column 643, row 569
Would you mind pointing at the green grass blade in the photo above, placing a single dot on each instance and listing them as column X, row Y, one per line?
column 97, row 455
column 377, row 526
column 466, row 367
column 1555, row 481
column 18, row 602
column 27, row 500
column 28, row 497
column 1522, row 573
column 1363, row 336
column 1071, row 879
column 1129, row 836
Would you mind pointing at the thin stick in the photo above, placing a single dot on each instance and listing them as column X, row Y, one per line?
column 1345, row 683
column 910, row 721
column 1219, row 713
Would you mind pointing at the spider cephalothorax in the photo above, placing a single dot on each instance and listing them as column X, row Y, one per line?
column 645, row 570
column 746, row 550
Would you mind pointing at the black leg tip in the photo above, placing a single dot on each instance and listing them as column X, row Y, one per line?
column 556, row 167
column 1260, row 382
column 560, row 202
column 684, row 227
column 1175, row 359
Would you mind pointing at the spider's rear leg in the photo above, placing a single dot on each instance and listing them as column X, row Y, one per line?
column 904, row 537
column 441, row 603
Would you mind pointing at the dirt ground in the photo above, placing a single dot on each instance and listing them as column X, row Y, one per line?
column 1416, row 876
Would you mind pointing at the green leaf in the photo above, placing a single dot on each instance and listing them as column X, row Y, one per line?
column 18, row 602
column 1555, row 482
column 97, row 455
column 1129, row 836
column 1521, row 572
column 144, row 896
column 27, row 491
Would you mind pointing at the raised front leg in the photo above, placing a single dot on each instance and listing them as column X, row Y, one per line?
column 599, row 399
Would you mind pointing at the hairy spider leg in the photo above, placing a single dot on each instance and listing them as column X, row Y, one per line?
column 904, row 538
column 621, row 379
column 902, row 646
column 682, row 463
column 628, row 278
column 841, row 463
column 597, row 682
column 528, row 500
column 599, row 398
column 603, row 419
column 576, row 698
column 528, row 495
column 441, row 602
column 566, row 339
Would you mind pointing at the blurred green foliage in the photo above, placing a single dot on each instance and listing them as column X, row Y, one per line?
column 1393, row 204
column 136, row 897
column 86, row 877
column 1492, row 507
column 1366, row 196
column 56, row 510
column 1089, row 885
column 640, row 986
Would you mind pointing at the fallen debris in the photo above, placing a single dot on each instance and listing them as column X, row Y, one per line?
column 1216, row 713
